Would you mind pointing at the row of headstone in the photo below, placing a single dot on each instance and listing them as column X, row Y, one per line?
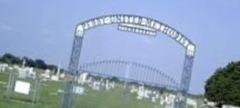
column 25, row 72
column 230, row 106
column 145, row 93
column 102, row 84
column 211, row 104
column 48, row 75
column 167, row 99
column 141, row 92
column 4, row 66
column 164, row 99
column 78, row 90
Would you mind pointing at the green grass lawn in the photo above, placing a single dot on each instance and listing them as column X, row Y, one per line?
column 115, row 98
column 49, row 98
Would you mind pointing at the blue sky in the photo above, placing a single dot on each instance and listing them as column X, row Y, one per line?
column 45, row 29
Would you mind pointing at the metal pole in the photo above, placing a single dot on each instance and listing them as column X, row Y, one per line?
column 185, row 81
column 72, row 69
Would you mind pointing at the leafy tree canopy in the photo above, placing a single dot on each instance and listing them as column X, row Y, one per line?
column 224, row 86
column 38, row 63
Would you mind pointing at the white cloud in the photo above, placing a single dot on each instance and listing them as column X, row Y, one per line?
column 5, row 27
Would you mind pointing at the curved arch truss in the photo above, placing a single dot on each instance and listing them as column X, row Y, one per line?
column 131, row 72
column 140, row 25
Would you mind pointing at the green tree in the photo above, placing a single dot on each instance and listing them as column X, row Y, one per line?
column 40, row 64
column 10, row 59
column 29, row 62
column 224, row 86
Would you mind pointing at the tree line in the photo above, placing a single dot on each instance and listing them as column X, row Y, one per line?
column 37, row 63
column 223, row 87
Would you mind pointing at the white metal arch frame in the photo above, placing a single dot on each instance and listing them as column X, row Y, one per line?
column 136, row 24
column 93, row 68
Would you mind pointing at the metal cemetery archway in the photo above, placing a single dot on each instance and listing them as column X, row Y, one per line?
column 136, row 24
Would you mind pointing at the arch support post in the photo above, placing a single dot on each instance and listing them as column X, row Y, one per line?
column 67, row 98
column 185, row 81
column 75, row 55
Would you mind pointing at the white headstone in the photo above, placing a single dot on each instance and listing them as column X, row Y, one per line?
column 107, row 85
column 192, row 102
column 22, row 87
column 22, row 73
column 62, row 75
column 55, row 78
column 96, row 85
column 78, row 90
column 83, row 78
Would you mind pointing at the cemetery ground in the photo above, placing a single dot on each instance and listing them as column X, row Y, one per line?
column 50, row 97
